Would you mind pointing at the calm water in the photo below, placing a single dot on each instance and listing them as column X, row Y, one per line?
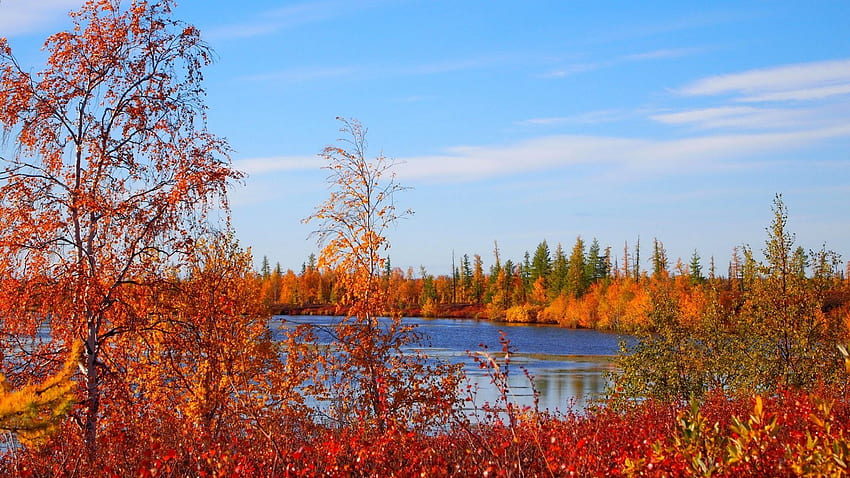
column 567, row 365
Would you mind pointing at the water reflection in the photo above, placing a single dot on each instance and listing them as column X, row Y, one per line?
column 562, row 382
column 567, row 365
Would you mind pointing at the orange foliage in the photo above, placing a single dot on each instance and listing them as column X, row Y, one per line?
column 366, row 376
column 111, row 180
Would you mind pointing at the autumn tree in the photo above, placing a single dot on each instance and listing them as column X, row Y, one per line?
column 370, row 378
column 215, row 343
column 777, row 336
column 353, row 221
column 784, row 311
column 111, row 175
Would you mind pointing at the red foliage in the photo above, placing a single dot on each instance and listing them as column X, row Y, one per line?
column 638, row 440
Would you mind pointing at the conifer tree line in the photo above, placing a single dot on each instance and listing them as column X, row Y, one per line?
column 587, row 285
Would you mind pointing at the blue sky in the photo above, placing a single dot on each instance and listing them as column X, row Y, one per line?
column 522, row 121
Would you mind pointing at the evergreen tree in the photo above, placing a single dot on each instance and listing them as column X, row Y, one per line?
column 495, row 271
column 695, row 268
column 736, row 269
column 606, row 266
column 509, row 271
column 637, row 260
column 429, row 289
column 659, row 260
column 479, row 281
column 593, row 262
column 541, row 265
column 525, row 275
column 265, row 269
column 626, row 268
column 577, row 281
column 455, row 279
column 558, row 273
column 466, row 279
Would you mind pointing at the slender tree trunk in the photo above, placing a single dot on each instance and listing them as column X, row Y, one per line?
column 92, row 390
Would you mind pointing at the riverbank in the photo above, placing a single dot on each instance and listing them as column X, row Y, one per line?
column 448, row 311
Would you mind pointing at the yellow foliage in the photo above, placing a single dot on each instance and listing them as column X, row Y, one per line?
column 429, row 308
column 525, row 313
column 494, row 311
column 34, row 411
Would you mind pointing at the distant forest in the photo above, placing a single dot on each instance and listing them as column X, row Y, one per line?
column 589, row 287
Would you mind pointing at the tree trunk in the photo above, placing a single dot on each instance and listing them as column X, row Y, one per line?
column 92, row 391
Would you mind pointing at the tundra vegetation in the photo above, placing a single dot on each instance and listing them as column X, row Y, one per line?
column 135, row 334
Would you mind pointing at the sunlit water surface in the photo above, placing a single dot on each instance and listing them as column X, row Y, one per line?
column 568, row 365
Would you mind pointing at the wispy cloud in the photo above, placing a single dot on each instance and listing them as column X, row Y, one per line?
column 802, row 94
column 786, row 97
column 754, row 118
column 574, row 69
column 274, row 164
column 627, row 155
column 662, row 54
column 272, row 21
column 800, row 81
column 310, row 73
column 588, row 66
column 620, row 157
column 590, row 117
column 26, row 16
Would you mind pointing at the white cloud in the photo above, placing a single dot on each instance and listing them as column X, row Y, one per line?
column 748, row 117
column 310, row 73
column 272, row 21
column 797, row 88
column 800, row 81
column 26, row 16
column 627, row 155
column 574, row 69
column 588, row 66
column 259, row 166
column 661, row 54
column 803, row 94
column 591, row 117
column 622, row 157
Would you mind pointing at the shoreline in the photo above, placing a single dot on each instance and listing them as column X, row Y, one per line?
column 448, row 311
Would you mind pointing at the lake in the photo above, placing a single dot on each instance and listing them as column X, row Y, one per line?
column 568, row 365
